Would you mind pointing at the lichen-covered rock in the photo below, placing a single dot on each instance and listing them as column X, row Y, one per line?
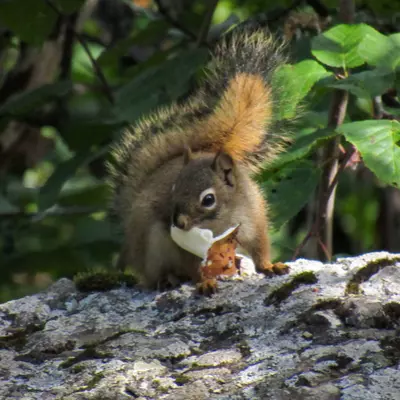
column 322, row 332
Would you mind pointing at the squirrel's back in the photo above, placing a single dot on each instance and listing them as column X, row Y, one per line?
column 231, row 111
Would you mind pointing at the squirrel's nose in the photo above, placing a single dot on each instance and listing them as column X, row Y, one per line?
column 180, row 220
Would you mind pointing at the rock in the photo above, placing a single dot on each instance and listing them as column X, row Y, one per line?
column 323, row 332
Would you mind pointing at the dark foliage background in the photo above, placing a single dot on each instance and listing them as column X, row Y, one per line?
column 73, row 73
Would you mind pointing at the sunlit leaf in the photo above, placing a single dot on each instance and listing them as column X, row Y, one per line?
column 82, row 68
column 379, row 145
column 338, row 47
column 380, row 50
column 293, row 82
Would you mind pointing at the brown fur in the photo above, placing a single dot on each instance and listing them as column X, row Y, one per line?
column 237, row 125
column 156, row 176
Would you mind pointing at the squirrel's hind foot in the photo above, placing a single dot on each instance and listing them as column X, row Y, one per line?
column 271, row 269
column 207, row 287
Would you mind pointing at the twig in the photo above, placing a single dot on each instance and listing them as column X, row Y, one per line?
column 300, row 247
column 327, row 253
column 93, row 39
column 65, row 63
column 389, row 98
column 379, row 111
column 341, row 167
column 346, row 11
column 205, row 26
column 313, row 232
column 164, row 12
column 96, row 67
column 329, row 178
column 322, row 228
column 327, row 187
column 377, row 107
column 99, row 73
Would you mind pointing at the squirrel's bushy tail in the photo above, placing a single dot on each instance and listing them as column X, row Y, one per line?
column 239, row 83
column 231, row 111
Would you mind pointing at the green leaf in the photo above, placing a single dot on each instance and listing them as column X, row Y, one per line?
column 63, row 261
column 154, row 61
column 293, row 83
column 90, row 196
column 140, row 105
column 6, row 206
column 367, row 83
column 31, row 20
column 50, row 190
column 82, row 68
column 289, row 190
column 23, row 103
column 338, row 47
column 383, row 8
column 69, row 6
column 159, row 85
column 397, row 81
column 306, row 142
column 88, row 230
column 82, row 132
column 148, row 36
column 374, row 47
column 379, row 145
column 380, row 50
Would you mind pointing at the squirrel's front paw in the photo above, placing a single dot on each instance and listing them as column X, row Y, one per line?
column 207, row 287
column 270, row 269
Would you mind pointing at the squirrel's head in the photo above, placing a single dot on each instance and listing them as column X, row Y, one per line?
column 203, row 188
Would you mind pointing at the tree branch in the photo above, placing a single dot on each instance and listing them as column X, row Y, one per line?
column 340, row 169
column 330, row 159
column 164, row 12
column 379, row 111
column 205, row 26
column 322, row 228
column 99, row 73
column 328, row 183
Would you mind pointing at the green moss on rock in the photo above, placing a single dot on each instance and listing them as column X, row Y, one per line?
column 103, row 279
column 282, row 293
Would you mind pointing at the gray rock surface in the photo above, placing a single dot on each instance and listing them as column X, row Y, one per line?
column 304, row 336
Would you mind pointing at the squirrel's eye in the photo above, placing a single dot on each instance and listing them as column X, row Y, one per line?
column 207, row 198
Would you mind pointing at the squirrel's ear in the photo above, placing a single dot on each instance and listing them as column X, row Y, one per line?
column 223, row 166
column 187, row 155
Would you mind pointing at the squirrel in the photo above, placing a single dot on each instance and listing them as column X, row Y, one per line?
column 191, row 164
